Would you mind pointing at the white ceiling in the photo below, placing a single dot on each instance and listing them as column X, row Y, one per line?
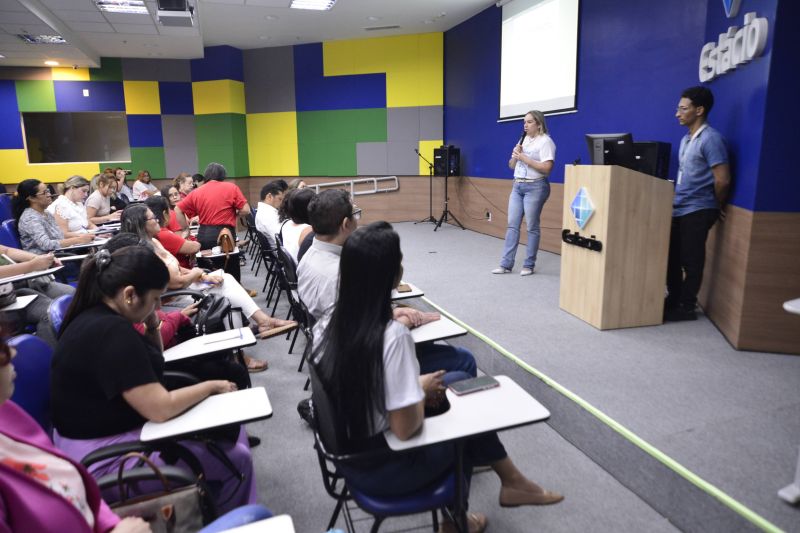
column 92, row 34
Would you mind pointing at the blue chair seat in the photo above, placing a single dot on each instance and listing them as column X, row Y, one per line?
column 58, row 310
column 32, row 387
column 435, row 496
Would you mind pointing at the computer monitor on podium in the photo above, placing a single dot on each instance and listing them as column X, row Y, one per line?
column 611, row 149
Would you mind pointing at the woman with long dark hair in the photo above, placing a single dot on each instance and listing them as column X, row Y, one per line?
column 103, row 366
column 369, row 369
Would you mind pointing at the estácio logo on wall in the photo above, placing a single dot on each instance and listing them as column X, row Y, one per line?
column 736, row 47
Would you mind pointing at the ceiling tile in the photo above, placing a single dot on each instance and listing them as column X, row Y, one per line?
column 101, row 27
column 85, row 5
column 136, row 29
column 32, row 29
column 169, row 30
column 128, row 18
column 17, row 17
column 80, row 16
column 266, row 3
column 234, row 2
column 11, row 5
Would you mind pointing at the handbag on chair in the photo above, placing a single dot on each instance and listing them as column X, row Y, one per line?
column 168, row 511
column 226, row 244
column 211, row 313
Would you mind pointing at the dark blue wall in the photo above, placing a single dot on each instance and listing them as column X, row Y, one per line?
column 634, row 59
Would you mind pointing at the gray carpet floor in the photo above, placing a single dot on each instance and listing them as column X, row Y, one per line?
column 731, row 417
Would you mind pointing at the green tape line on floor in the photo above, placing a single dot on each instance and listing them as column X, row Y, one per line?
column 733, row 504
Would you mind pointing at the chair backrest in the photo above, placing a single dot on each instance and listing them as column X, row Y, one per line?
column 331, row 432
column 288, row 266
column 9, row 236
column 58, row 310
column 32, row 386
column 5, row 207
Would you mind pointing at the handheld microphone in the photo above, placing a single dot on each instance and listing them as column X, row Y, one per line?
column 521, row 137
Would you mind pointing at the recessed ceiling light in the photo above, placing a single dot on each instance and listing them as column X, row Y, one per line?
column 2, row 56
column 264, row 37
column 372, row 18
column 271, row 17
column 317, row 5
column 51, row 63
column 42, row 39
column 135, row 7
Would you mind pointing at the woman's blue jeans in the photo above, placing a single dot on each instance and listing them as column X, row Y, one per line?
column 528, row 199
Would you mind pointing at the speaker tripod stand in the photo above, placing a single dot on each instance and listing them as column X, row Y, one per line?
column 446, row 212
column 428, row 218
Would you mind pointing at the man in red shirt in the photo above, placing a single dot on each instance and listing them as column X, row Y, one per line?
column 217, row 204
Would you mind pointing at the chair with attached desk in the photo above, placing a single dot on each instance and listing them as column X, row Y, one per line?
column 331, row 445
column 58, row 311
column 9, row 236
column 5, row 207
column 287, row 276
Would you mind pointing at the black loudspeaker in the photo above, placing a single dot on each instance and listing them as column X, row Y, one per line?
column 652, row 157
column 447, row 161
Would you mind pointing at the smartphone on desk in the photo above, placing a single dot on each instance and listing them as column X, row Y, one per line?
column 467, row 386
column 403, row 287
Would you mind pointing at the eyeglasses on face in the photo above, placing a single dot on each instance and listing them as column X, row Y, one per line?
column 357, row 213
column 43, row 193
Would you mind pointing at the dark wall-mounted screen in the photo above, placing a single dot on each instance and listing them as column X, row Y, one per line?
column 76, row 137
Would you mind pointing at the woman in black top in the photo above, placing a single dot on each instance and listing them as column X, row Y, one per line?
column 106, row 377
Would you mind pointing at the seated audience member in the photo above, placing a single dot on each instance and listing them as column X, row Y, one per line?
column 124, row 193
column 297, row 183
column 198, row 180
column 184, row 184
column 38, row 231
column 41, row 489
column 267, row 221
column 174, row 243
column 138, row 219
column 173, row 197
column 367, row 365
column 334, row 218
column 68, row 209
column 44, row 288
column 176, row 326
column 98, row 204
column 104, row 367
column 218, row 204
column 142, row 188
column 295, row 227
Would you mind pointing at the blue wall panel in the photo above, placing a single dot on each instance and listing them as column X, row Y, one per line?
column 10, row 129
column 219, row 63
column 315, row 92
column 103, row 96
column 778, row 184
column 176, row 98
column 634, row 59
column 145, row 131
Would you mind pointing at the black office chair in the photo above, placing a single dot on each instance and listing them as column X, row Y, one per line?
column 332, row 446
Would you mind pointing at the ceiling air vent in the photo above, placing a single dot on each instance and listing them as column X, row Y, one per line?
column 376, row 28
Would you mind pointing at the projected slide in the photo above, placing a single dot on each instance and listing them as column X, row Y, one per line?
column 539, row 59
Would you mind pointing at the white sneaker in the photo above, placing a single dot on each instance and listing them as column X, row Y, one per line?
column 501, row 270
column 526, row 272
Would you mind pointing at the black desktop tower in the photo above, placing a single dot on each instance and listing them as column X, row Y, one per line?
column 652, row 157
column 447, row 161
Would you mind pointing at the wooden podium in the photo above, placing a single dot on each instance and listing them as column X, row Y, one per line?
column 622, row 285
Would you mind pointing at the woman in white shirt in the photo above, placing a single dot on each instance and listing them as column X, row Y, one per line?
column 98, row 205
column 531, row 160
column 294, row 212
column 68, row 209
column 142, row 188
column 367, row 363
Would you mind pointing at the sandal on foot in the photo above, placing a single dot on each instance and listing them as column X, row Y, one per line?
column 255, row 366
column 515, row 497
column 476, row 523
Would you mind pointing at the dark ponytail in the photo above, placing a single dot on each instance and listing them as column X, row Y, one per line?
column 104, row 274
column 25, row 190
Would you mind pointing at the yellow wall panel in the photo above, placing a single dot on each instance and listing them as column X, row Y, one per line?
column 414, row 65
column 272, row 144
column 141, row 98
column 426, row 150
column 70, row 74
column 16, row 169
column 218, row 96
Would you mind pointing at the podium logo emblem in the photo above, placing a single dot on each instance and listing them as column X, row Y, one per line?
column 582, row 207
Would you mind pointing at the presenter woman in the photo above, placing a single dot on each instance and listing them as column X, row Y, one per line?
column 531, row 160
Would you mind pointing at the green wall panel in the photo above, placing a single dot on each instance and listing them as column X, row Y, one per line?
column 110, row 70
column 35, row 95
column 235, row 160
column 222, row 138
column 151, row 159
column 327, row 139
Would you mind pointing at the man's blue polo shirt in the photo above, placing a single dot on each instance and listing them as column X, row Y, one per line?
column 694, row 188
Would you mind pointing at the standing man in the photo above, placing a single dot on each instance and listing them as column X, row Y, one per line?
column 701, row 189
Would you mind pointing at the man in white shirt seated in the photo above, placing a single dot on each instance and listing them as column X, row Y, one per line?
column 267, row 212
column 333, row 219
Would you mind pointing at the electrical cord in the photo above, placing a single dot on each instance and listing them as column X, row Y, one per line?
column 481, row 217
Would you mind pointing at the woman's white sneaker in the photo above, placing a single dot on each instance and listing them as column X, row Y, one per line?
column 501, row 270
column 526, row 272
